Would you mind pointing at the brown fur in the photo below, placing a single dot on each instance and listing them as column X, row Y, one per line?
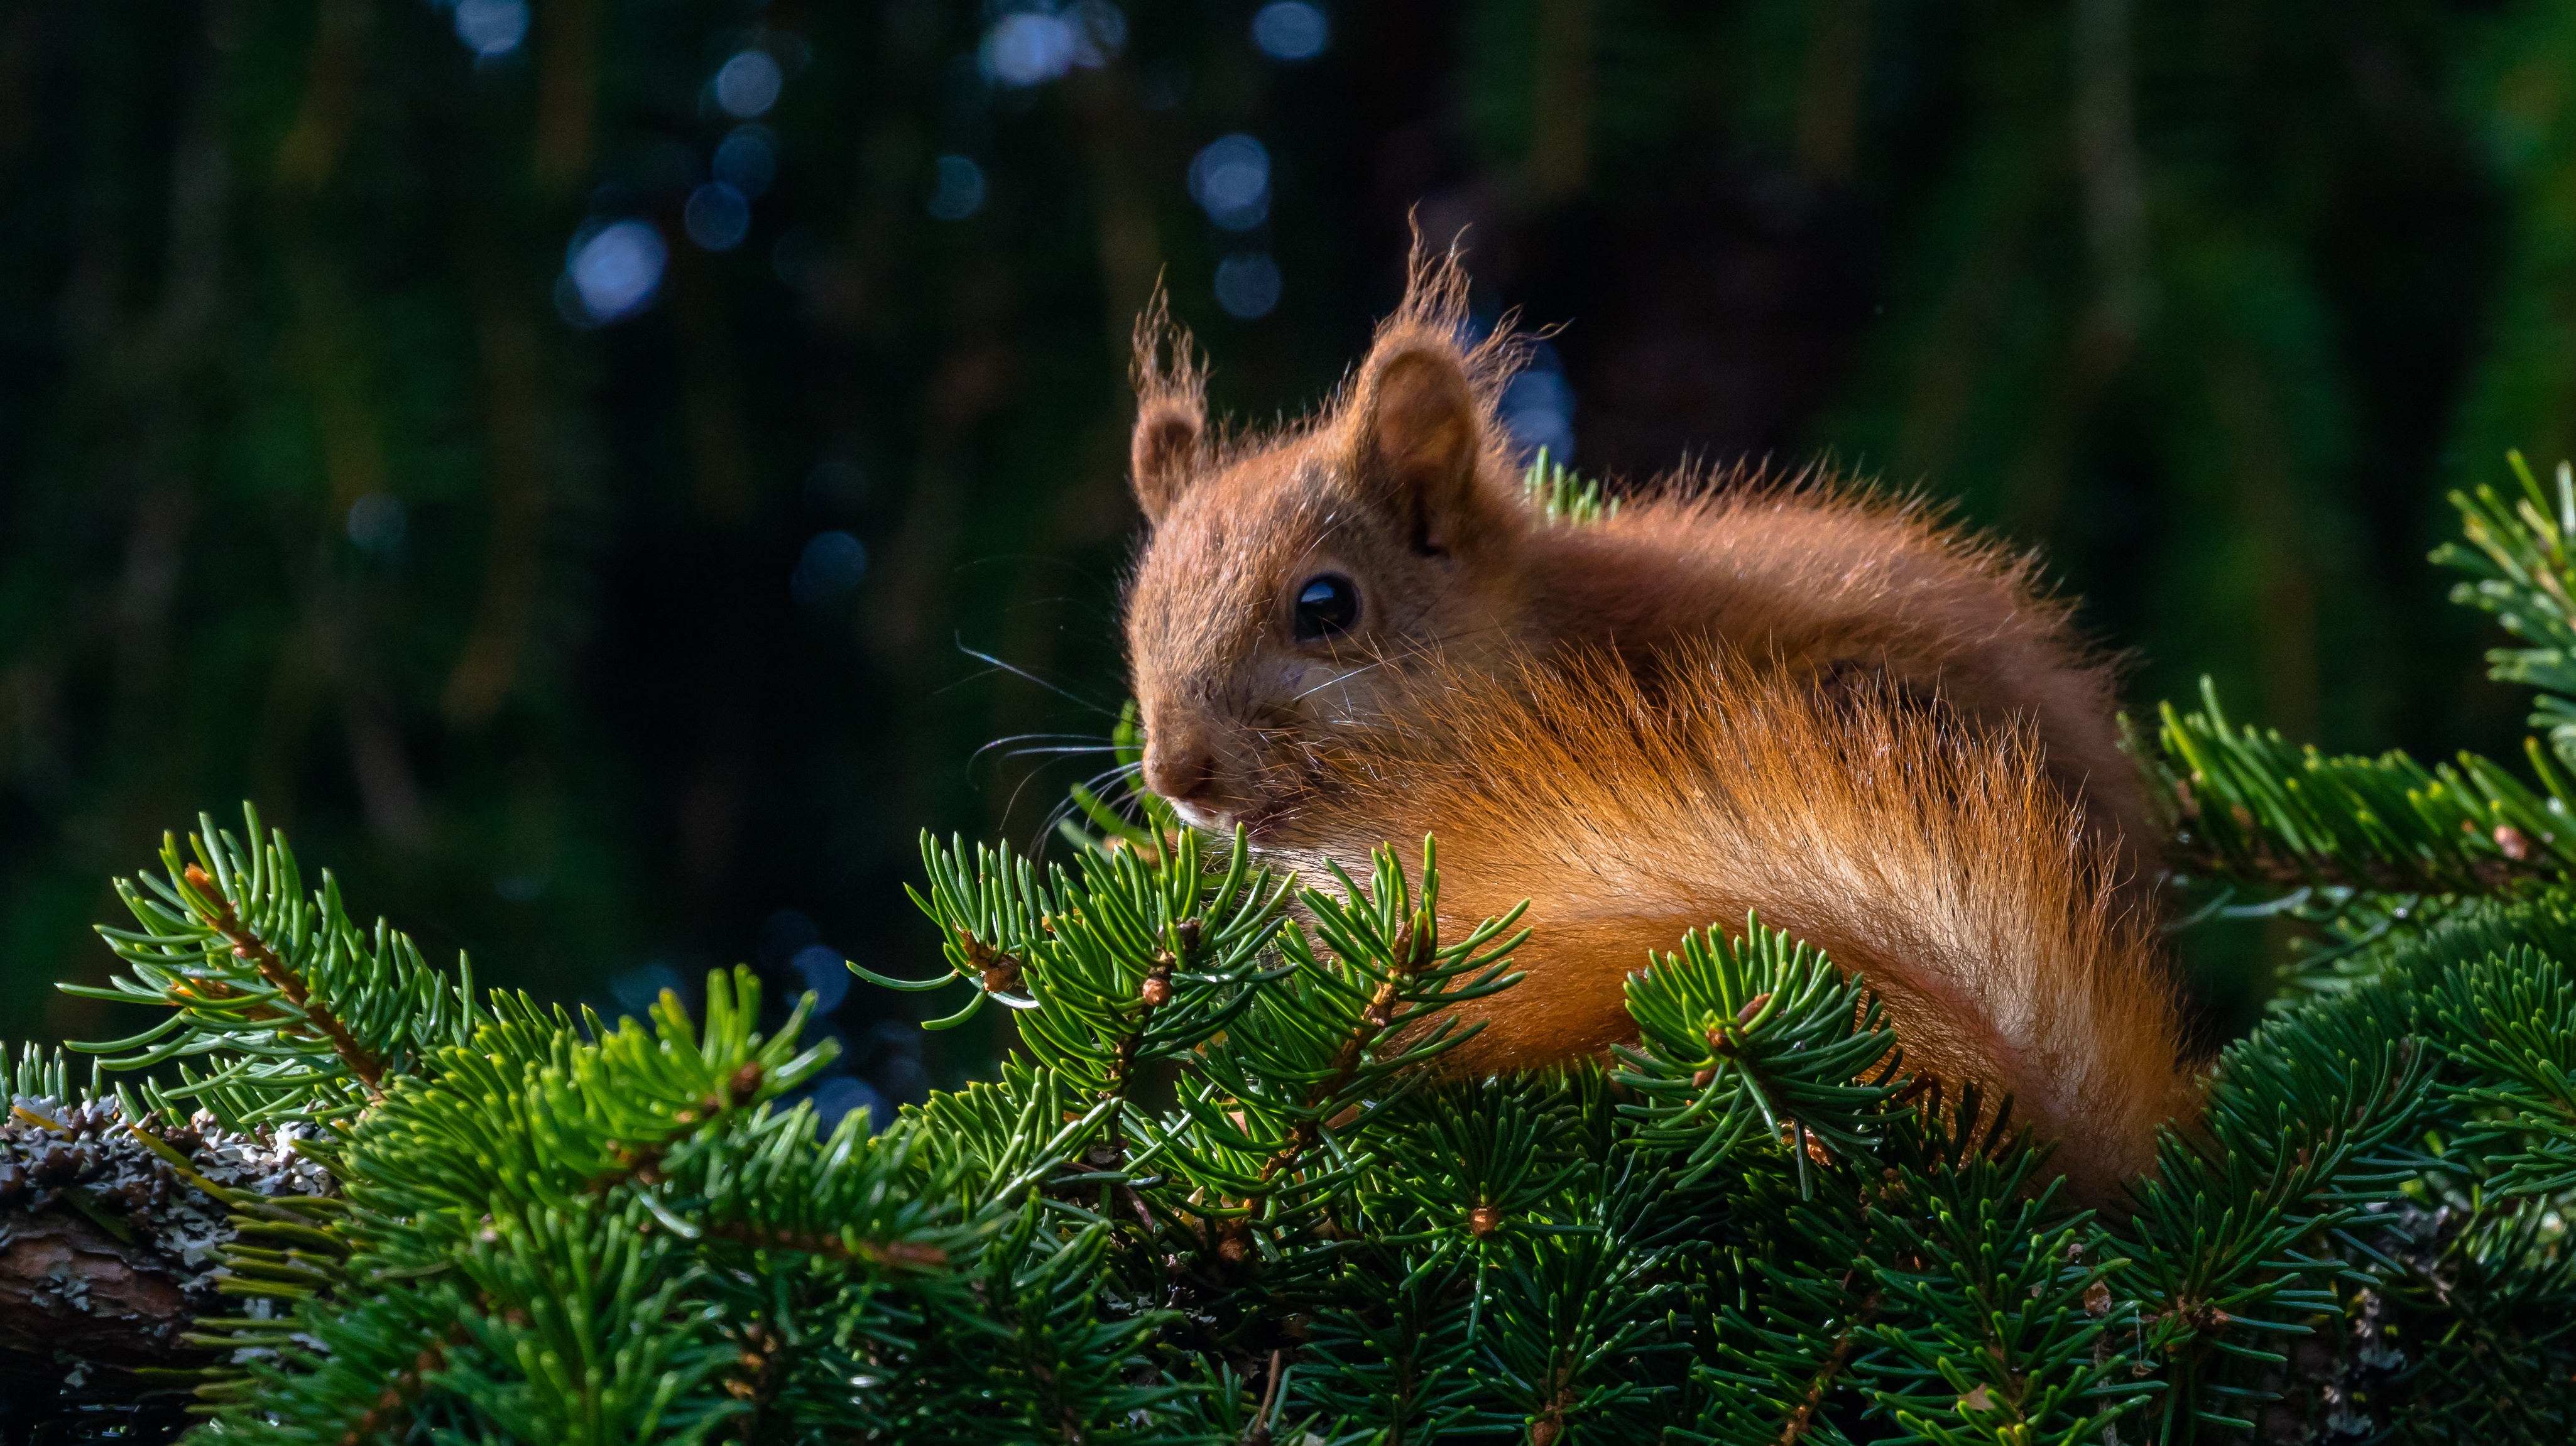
column 1404, row 483
column 1831, row 581
column 1938, row 864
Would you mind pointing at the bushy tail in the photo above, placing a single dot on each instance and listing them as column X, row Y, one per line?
column 1935, row 861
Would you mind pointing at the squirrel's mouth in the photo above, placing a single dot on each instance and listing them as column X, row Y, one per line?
column 1206, row 820
column 1258, row 821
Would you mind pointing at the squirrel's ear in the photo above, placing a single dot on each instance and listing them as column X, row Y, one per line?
column 1163, row 455
column 1171, row 409
column 1420, row 437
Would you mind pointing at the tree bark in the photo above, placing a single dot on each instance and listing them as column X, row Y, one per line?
column 70, row 1290
column 110, row 1253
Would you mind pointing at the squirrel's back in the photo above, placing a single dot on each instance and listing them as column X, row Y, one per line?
column 1935, row 860
column 1847, row 585
column 1294, row 579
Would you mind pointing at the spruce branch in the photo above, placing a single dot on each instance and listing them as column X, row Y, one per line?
column 2457, row 1331
column 1761, row 1029
column 2249, row 805
column 1574, row 1313
column 1480, row 1161
column 1799, row 1308
column 1141, row 961
column 2253, row 806
column 2521, row 556
column 2010, row 1330
column 1335, row 1038
column 1046, row 1359
column 1581, row 1340
column 298, row 1013
column 1783, row 1355
column 2227, row 1249
column 2510, row 1021
column 1389, row 1352
column 1136, row 821
column 1136, row 959
column 217, row 912
column 555, row 1229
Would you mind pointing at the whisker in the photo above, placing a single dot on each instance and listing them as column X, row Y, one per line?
column 1411, row 648
column 1020, row 562
column 1022, row 738
column 1339, row 678
column 1012, row 803
column 1061, row 749
column 1019, row 672
column 1064, row 807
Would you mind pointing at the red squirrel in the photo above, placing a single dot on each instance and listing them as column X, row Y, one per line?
column 1735, row 693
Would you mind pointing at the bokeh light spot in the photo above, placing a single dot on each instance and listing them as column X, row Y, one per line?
column 747, row 160
column 1033, row 46
column 377, row 522
column 520, row 886
column 636, row 990
column 794, row 258
column 491, row 27
column 1099, row 32
column 1538, row 411
column 1247, row 284
column 1230, row 179
column 1291, row 30
column 825, row 973
column 617, row 268
column 959, row 192
column 717, row 216
column 1028, row 49
column 748, row 84
column 831, row 567
column 839, row 1094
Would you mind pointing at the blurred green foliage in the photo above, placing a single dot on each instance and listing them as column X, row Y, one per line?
column 598, row 645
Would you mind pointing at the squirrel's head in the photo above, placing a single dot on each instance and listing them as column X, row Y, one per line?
column 1290, row 580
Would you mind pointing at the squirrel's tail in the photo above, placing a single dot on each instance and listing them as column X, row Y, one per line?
column 1937, row 862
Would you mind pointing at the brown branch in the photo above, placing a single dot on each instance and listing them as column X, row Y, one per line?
column 247, row 945
column 756, row 1376
column 1411, row 953
column 2263, row 865
column 404, row 1387
column 885, row 1254
column 1549, row 1428
column 1258, row 1433
column 1152, row 994
column 642, row 1164
column 1803, row 1419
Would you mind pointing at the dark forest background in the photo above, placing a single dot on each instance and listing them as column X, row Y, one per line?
column 565, row 460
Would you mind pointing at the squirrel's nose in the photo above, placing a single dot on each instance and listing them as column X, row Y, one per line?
column 1184, row 774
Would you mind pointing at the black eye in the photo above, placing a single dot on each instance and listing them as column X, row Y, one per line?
column 1327, row 605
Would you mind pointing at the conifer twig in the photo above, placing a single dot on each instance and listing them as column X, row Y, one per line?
column 1803, row 1419
column 1410, row 953
column 248, row 945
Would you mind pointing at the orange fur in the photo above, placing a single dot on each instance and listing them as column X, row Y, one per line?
column 1832, row 581
column 1933, row 648
column 1937, row 863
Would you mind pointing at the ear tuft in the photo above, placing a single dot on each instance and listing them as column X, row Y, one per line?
column 1171, row 409
column 1421, row 423
column 1421, row 438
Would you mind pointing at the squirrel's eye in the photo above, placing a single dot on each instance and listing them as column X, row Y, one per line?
column 1327, row 605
